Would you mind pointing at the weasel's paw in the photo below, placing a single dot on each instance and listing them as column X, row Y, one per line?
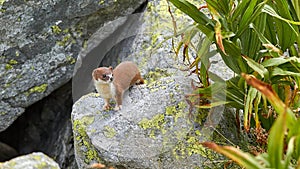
column 118, row 107
column 106, row 107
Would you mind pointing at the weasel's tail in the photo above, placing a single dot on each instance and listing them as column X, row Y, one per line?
column 140, row 81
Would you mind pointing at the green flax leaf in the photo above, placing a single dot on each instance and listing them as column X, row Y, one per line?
column 269, row 10
column 260, row 69
column 275, row 148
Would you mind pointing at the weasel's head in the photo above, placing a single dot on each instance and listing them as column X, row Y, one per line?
column 103, row 74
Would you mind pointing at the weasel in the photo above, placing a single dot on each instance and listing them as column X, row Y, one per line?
column 112, row 83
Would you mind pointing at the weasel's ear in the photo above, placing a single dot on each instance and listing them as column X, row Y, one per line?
column 111, row 68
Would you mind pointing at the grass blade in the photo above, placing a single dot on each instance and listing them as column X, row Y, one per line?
column 296, row 5
column 269, row 10
column 220, row 6
column 249, row 107
column 280, row 72
column 249, row 19
column 260, row 69
column 279, row 61
column 189, row 9
column 275, row 148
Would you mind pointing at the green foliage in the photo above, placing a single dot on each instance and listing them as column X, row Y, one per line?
column 250, row 36
column 277, row 155
column 259, row 39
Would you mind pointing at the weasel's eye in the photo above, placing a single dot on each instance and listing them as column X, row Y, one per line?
column 104, row 75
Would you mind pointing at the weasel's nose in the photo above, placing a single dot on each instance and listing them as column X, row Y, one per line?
column 111, row 79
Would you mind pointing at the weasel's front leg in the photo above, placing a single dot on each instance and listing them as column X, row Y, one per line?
column 106, row 105
column 118, row 107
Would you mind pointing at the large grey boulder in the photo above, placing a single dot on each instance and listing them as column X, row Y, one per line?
column 155, row 129
column 30, row 161
column 40, row 41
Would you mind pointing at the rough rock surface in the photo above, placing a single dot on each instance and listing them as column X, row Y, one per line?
column 153, row 130
column 31, row 161
column 40, row 41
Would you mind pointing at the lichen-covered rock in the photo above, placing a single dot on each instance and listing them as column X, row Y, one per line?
column 144, row 134
column 40, row 41
column 30, row 161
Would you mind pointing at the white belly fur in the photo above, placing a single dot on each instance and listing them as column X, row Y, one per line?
column 106, row 90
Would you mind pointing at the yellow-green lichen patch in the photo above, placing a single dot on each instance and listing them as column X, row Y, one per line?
column 65, row 41
column 17, row 53
column 2, row 10
column 182, row 105
column 155, row 86
column 66, row 31
column 109, row 132
column 41, row 165
column 101, row 2
column 56, row 29
column 36, row 157
column 8, row 66
column 177, row 111
column 37, row 89
column 3, row 113
column 158, row 123
column 13, row 62
column 191, row 145
column 153, row 76
column 85, row 44
column 71, row 60
column 154, row 125
column 6, row 85
column 83, row 142
column 2, row 1
column 171, row 110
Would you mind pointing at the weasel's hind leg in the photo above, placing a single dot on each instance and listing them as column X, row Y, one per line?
column 118, row 98
column 137, row 80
